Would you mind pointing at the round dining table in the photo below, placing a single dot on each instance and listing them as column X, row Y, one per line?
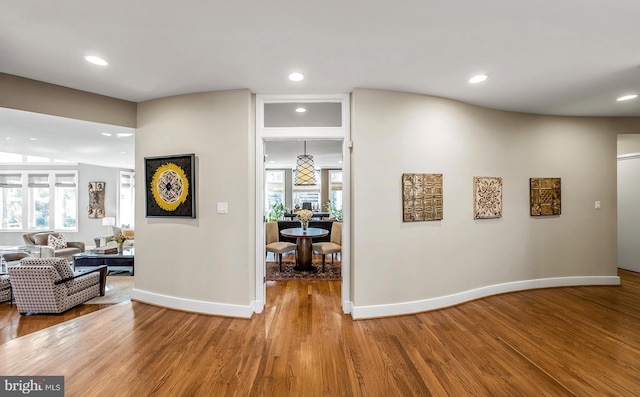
column 304, row 243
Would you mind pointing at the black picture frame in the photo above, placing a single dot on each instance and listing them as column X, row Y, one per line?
column 165, row 192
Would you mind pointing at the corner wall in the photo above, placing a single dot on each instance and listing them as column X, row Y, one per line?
column 401, row 267
column 204, row 264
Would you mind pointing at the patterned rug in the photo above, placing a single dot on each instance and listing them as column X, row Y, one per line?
column 331, row 272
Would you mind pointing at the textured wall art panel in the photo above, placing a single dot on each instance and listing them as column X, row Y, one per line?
column 96, row 199
column 545, row 196
column 421, row 197
column 487, row 197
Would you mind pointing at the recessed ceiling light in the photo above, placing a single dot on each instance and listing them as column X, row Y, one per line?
column 478, row 78
column 33, row 139
column 301, row 110
column 95, row 60
column 123, row 135
column 296, row 76
column 105, row 133
column 627, row 97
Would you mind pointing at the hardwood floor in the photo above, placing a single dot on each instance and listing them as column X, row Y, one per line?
column 577, row 341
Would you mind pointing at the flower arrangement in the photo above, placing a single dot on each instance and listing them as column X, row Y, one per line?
column 305, row 215
column 120, row 238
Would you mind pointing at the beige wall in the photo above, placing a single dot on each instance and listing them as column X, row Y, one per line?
column 38, row 97
column 395, row 133
column 209, row 258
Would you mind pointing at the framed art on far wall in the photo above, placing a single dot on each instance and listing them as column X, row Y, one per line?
column 170, row 186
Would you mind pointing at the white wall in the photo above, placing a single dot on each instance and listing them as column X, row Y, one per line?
column 629, row 213
column 399, row 263
column 204, row 264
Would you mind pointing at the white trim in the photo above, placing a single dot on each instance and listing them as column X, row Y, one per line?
column 397, row 309
column 629, row 156
column 190, row 305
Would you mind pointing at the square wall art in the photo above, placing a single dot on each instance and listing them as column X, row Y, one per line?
column 487, row 197
column 170, row 186
column 545, row 196
column 421, row 197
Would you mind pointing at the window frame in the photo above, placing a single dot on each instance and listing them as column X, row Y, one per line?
column 56, row 181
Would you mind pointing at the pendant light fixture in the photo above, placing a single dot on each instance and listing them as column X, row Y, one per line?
column 305, row 173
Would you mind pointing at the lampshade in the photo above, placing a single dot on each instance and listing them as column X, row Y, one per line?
column 305, row 172
column 108, row 221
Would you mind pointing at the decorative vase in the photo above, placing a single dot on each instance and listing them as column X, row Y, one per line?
column 120, row 247
column 304, row 224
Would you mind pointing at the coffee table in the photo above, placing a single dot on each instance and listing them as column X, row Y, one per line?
column 92, row 259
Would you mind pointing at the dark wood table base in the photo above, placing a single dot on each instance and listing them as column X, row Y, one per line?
column 304, row 246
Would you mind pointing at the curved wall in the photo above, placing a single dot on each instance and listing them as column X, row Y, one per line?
column 204, row 264
column 401, row 267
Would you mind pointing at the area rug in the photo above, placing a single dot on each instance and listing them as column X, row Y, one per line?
column 331, row 272
column 118, row 290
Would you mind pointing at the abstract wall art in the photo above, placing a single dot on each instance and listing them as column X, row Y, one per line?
column 487, row 197
column 421, row 197
column 170, row 186
column 545, row 198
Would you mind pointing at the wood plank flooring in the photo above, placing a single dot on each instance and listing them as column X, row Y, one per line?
column 577, row 341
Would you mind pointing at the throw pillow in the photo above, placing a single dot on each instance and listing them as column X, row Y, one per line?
column 57, row 242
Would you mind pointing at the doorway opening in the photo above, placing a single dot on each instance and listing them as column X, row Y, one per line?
column 282, row 134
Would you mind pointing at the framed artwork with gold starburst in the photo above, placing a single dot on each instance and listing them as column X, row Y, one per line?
column 169, row 187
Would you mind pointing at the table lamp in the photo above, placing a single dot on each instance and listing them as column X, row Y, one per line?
column 109, row 221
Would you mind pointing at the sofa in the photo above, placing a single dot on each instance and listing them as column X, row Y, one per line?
column 41, row 238
column 13, row 257
column 48, row 285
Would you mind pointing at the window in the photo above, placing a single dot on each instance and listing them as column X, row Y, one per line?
column 335, row 188
column 126, row 205
column 32, row 200
column 308, row 194
column 274, row 188
column 11, row 201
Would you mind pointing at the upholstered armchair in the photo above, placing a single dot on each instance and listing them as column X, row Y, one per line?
column 333, row 246
column 48, row 285
column 5, row 288
column 41, row 239
column 274, row 244
column 9, row 258
column 128, row 233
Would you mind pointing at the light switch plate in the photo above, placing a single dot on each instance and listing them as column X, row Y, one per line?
column 597, row 205
column 223, row 208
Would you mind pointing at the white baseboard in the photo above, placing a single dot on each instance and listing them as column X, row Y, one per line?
column 190, row 305
column 397, row 309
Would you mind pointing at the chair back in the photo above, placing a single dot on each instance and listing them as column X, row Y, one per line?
column 271, row 232
column 336, row 233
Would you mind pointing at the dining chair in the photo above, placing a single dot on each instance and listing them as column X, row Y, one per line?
column 333, row 246
column 273, row 243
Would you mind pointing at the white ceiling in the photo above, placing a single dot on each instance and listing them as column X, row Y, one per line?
column 568, row 57
column 283, row 154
